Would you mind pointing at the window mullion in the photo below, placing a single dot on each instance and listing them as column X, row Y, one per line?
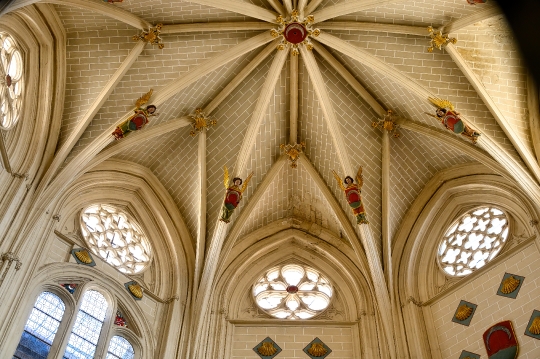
column 64, row 331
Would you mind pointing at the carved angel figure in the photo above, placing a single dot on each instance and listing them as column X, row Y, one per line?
column 451, row 120
column 353, row 195
column 233, row 194
column 112, row 1
column 138, row 120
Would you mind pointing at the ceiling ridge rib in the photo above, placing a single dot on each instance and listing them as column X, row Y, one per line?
column 259, row 111
column 215, row 26
column 520, row 174
column 313, row 4
column 483, row 14
column 455, row 142
column 525, row 153
column 240, row 7
column 347, row 7
column 91, row 5
column 374, row 26
column 201, row 235
column 288, row 6
column 276, row 5
column 370, row 244
column 77, row 165
column 351, row 80
column 293, row 76
column 214, row 254
column 86, row 119
column 327, row 108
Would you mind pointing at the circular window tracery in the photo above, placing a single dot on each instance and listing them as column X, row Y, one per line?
column 11, row 81
column 116, row 237
column 293, row 292
column 473, row 240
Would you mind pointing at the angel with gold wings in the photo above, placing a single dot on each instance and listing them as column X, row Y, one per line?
column 138, row 120
column 233, row 195
column 451, row 120
column 353, row 193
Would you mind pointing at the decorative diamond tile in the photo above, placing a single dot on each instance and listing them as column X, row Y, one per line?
column 464, row 313
column 317, row 349
column 510, row 285
column 267, row 349
column 533, row 327
column 465, row 354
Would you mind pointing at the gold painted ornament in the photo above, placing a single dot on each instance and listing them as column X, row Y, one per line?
column 438, row 40
column 535, row 326
column 464, row 312
column 152, row 36
column 267, row 349
column 200, row 122
column 317, row 350
column 83, row 256
column 293, row 151
column 509, row 285
column 136, row 290
column 388, row 124
column 294, row 32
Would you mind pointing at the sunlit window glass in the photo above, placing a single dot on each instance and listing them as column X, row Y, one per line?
column 11, row 81
column 84, row 337
column 116, row 237
column 472, row 241
column 120, row 348
column 41, row 327
column 293, row 292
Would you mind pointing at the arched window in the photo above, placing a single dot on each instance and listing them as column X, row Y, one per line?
column 120, row 348
column 41, row 327
column 116, row 237
column 85, row 335
column 11, row 81
column 293, row 292
column 86, row 327
column 472, row 240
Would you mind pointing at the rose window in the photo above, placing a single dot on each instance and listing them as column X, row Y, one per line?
column 115, row 237
column 11, row 81
column 293, row 292
column 472, row 241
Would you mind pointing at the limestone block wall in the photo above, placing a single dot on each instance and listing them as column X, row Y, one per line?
column 292, row 340
column 453, row 338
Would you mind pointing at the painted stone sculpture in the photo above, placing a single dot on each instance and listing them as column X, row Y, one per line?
column 233, row 194
column 138, row 120
column 500, row 341
column 474, row 2
column 353, row 193
column 112, row 1
column 451, row 119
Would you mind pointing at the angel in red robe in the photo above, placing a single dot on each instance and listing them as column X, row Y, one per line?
column 451, row 119
column 138, row 120
column 353, row 193
column 233, row 195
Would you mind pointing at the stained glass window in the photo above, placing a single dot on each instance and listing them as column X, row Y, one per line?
column 41, row 327
column 84, row 337
column 11, row 81
column 473, row 240
column 293, row 292
column 116, row 237
column 120, row 348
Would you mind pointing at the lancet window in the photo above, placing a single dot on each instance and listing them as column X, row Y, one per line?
column 86, row 328
column 293, row 292
column 472, row 241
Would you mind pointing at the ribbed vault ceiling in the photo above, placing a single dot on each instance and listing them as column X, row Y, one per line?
column 98, row 44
